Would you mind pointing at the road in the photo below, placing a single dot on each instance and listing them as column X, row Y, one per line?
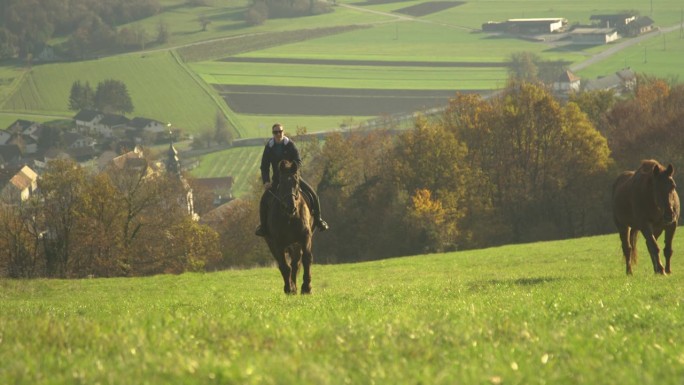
column 617, row 47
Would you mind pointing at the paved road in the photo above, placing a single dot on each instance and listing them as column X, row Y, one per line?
column 617, row 47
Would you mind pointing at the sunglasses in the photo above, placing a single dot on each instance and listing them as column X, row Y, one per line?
column 277, row 132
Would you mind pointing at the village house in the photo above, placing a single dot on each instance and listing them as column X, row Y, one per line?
column 148, row 125
column 17, row 184
column 112, row 125
column 221, row 188
column 620, row 82
column 86, row 120
column 567, row 83
column 25, row 127
column 4, row 137
column 10, row 155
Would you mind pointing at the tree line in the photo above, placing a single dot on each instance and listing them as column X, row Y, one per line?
column 522, row 166
column 93, row 27
column 89, row 25
column 109, row 96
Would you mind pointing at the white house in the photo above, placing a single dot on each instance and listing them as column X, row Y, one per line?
column 111, row 123
column 147, row 125
column 73, row 140
column 86, row 120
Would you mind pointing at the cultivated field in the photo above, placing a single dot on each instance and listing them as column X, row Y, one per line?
column 367, row 58
column 553, row 312
column 242, row 163
column 386, row 33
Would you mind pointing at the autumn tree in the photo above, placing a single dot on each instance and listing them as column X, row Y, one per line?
column 428, row 165
column 21, row 251
column 101, row 244
column 62, row 191
column 531, row 150
column 648, row 125
column 351, row 166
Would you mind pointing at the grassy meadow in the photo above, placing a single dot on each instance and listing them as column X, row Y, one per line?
column 242, row 163
column 662, row 55
column 159, row 85
column 558, row 312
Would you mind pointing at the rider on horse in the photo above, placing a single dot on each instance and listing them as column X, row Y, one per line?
column 277, row 148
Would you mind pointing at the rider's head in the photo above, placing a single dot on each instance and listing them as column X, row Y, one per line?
column 278, row 133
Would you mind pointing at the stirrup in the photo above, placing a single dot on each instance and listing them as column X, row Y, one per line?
column 321, row 224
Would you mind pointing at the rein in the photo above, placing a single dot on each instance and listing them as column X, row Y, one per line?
column 277, row 198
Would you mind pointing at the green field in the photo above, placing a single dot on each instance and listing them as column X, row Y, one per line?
column 165, row 89
column 242, row 163
column 159, row 85
column 544, row 313
column 662, row 55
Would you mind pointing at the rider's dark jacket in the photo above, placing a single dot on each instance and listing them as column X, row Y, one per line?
column 273, row 154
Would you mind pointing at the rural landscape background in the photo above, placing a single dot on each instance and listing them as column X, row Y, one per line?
column 363, row 74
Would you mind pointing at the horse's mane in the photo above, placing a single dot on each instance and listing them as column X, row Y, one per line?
column 288, row 167
column 647, row 166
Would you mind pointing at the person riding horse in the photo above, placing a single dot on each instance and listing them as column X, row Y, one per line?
column 278, row 148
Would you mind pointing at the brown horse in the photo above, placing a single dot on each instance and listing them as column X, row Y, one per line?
column 290, row 229
column 646, row 200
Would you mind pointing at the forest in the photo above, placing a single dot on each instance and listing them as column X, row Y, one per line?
column 92, row 27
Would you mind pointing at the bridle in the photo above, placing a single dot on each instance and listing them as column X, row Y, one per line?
column 294, row 193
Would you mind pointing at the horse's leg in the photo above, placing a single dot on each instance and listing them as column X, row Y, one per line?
column 284, row 267
column 625, row 240
column 307, row 260
column 653, row 249
column 295, row 261
column 669, row 235
column 633, row 238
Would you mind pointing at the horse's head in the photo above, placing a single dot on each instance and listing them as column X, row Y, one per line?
column 288, row 186
column 665, row 193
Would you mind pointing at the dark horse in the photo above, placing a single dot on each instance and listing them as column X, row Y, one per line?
column 290, row 229
column 646, row 200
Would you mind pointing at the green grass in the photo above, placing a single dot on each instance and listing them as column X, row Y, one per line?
column 340, row 76
column 555, row 312
column 159, row 86
column 166, row 90
column 661, row 55
column 242, row 163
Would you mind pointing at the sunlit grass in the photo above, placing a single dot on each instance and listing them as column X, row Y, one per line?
column 554, row 312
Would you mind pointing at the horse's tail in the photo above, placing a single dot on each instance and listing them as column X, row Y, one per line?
column 633, row 249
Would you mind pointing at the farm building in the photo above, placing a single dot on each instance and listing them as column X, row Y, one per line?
column 639, row 26
column 593, row 36
column 613, row 21
column 622, row 81
column 526, row 26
